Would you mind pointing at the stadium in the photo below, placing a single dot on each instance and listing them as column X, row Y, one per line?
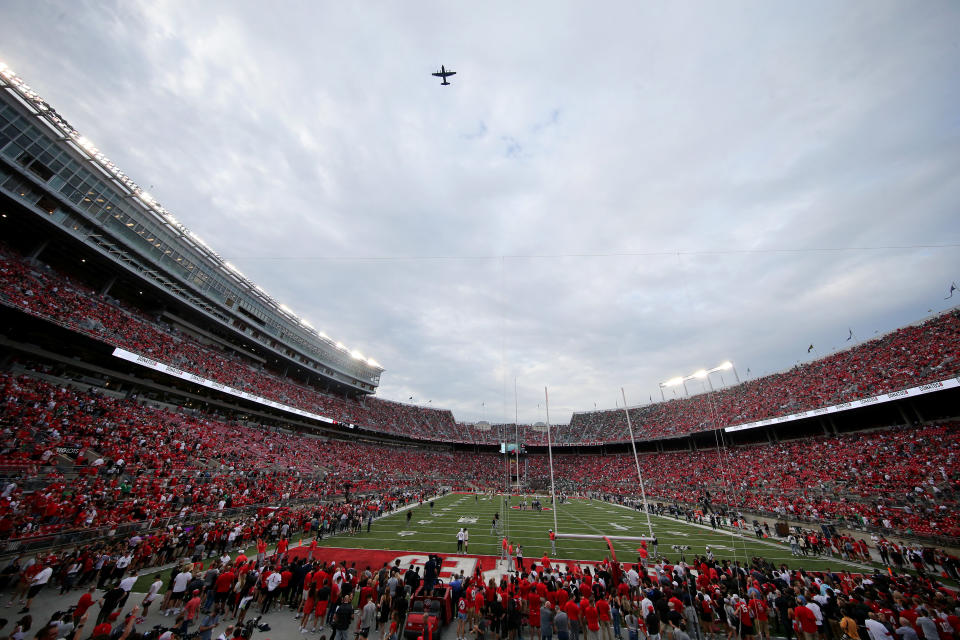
column 187, row 457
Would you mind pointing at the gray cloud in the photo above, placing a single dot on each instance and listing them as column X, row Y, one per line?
column 601, row 199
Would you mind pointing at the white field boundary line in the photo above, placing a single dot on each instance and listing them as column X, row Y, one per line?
column 619, row 545
column 755, row 540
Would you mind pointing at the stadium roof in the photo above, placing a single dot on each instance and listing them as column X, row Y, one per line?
column 86, row 147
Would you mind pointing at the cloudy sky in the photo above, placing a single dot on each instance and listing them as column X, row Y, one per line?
column 608, row 195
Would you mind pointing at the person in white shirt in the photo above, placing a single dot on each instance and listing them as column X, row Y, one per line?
column 876, row 629
column 36, row 585
column 127, row 583
column 817, row 612
column 646, row 606
column 178, row 591
column 227, row 633
column 152, row 594
column 122, row 563
column 273, row 581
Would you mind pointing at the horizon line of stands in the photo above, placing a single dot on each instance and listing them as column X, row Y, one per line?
column 128, row 462
column 905, row 357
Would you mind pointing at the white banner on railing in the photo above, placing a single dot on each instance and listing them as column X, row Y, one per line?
column 853, row 404
column 192, row 377
column 930, row 387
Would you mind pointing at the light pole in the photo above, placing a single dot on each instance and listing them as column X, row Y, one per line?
column 726, row 366
column 672, row 382
column 700, row 374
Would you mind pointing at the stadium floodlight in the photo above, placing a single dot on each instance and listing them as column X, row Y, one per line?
column 699, row 374
column 725, row 366
column 672, row 382
column 356, row 355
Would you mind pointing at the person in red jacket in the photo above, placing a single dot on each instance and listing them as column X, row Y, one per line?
column 533, row 614
column 746, row 621
column 592, row 619
column 805, row 621
column 222, row 588
column 573, row 615
column 606, row 620
column 261, row 550
column 760, row 612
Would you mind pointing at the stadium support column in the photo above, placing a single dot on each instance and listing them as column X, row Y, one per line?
column 108, row 285
column 903, row 414
column 553, row 492
column 35, row 254
column 913, row 406
column 823, row 425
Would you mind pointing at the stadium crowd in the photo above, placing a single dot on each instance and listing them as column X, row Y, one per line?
column 207, row 591
column 906, row 357
column 94, row 460
column 84, row 459
column 46, row 293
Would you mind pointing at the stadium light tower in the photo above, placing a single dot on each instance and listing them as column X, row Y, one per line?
column 720, row 368
column 672, row 382
column 700, row 374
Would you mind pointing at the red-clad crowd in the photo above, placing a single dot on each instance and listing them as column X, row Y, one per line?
column 84, row 459
column 907, row 357
column 81, row 459
column 905, row 480
column 44, row 292
column 660, row 599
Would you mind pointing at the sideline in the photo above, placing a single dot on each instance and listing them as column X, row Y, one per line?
column 768, row 543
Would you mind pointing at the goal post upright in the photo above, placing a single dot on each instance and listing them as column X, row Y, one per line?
column 609, row 540
column 633, row 445
column 553, row 493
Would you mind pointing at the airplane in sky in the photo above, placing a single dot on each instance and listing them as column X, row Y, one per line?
column 443, row 73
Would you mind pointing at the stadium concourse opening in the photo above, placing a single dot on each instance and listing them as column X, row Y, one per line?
column 182, row 453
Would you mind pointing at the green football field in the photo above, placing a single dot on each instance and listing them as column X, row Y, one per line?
column 437, row 533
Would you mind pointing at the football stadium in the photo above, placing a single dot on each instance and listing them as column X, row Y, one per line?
column 187, row 457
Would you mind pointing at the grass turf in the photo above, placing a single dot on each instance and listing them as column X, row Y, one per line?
column 437, row 533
